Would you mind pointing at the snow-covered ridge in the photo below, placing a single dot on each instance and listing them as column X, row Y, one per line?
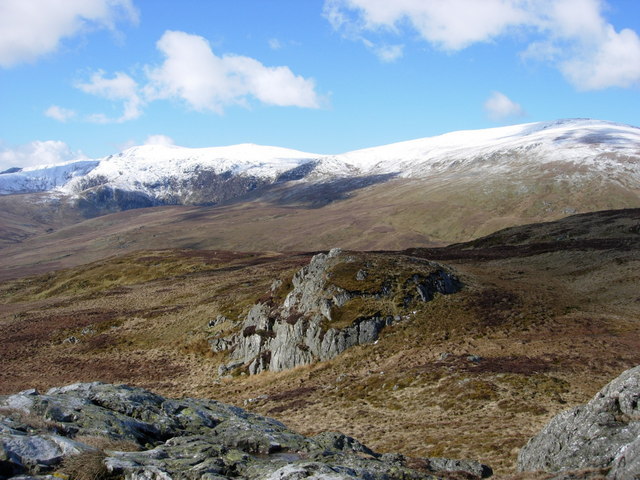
column 140, row 168
column 568, row 140
column 45, row 178
column 156, row 170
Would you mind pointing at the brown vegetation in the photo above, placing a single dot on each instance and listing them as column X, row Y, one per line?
column 471, row 375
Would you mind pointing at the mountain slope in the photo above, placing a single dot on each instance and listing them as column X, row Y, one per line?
column 172, row 174
column 425, row 192
column 603, row 146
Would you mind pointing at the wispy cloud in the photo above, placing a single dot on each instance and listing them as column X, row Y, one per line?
column 389, row 53
column 159, row 139
column 275, row 44
column 32, row 28
column 60, row 114
column 49, row 152
column 571, row 34
column 122, row 88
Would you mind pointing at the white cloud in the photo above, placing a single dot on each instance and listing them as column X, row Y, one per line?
column 389, row 53
column 121, row 87
column 47, row 152
column 500, row 107
column 159, row 140
column 31, row 28
column 450, row 25
column 613, row 62
column 193, row 73
column 275, row 44
column 60, row 114
column 572, row 34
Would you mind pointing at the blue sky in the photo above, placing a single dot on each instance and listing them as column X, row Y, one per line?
column 92, row 77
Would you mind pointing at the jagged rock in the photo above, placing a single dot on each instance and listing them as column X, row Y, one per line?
column 217, row 321
column 221, row 344
column 181, row 439
column 308, row 325
column 603, row 434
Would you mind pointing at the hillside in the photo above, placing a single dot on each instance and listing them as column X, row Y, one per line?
column 426, row 192
column 471, row 374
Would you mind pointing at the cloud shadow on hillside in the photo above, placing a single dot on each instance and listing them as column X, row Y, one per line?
column 319, row 194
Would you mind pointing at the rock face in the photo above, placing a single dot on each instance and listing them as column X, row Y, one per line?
column 603, row 434
column 336, row 302
column 184, row 439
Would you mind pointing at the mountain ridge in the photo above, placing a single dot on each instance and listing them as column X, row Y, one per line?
column 421, row 196
column 152, row 169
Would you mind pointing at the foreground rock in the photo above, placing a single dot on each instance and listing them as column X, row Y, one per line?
column 338, row 301
column 604, row 434
column 41, row 434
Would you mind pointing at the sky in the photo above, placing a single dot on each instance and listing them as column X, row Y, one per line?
column 89, row 78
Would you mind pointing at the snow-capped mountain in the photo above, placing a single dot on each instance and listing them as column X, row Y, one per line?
column 44, row 178
column 581, row 141
column 155, row 175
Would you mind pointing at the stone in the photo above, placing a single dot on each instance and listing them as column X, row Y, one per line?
column 24, row 453
column 299, row 331
column 603, row 434
column 187, row 439
column 217, row 321
column 361, row 275
column 470, row 467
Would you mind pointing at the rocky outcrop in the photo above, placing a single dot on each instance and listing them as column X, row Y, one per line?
column 603, row 434
column 183, row 439
column 336, row 302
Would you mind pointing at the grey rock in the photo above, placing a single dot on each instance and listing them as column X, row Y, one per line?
column 23, row 453
column 471, row 467
column 221, row 344
column 338, row 441
column 604, row 433
column 299, row 331
column 90, row 330
column 225, row 369
column 217, row 321
column 184, row 439
column 275, row 285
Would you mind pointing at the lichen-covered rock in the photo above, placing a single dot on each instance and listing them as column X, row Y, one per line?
column 603, row 434
column 180, row 439
column 20, row 453
column 338, row 301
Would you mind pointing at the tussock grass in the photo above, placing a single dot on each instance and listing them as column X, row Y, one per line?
column 88, row 465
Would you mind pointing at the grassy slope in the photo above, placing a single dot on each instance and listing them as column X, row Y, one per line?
column 544, row 316
column 393, row 215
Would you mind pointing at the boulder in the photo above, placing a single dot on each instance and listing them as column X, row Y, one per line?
column 308, row 324
column 183, row 439
column 603, row 434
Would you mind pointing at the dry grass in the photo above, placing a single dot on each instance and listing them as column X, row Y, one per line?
column 543, row 322
column 106, row 443
column 87, row 465
column 31, row 421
